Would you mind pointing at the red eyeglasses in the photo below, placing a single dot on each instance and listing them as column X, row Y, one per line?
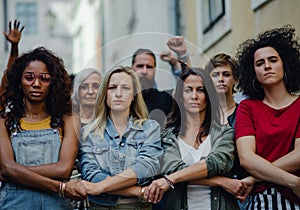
column 44, row 78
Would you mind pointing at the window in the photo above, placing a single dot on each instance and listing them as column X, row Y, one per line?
column 213, row 21
column 27, row 14
column 212, row 10
column 255, row 4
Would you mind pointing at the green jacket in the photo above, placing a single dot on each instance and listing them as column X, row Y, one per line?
column 219, row 162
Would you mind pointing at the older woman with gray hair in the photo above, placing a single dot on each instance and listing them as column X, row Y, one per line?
column 85, row 88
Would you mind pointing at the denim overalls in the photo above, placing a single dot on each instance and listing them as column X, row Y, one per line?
column 32, row 148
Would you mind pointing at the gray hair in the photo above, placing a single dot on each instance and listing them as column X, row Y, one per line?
column 79, row 78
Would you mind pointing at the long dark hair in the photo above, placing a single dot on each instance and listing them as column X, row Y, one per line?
column 177, row 117
column 58, row 102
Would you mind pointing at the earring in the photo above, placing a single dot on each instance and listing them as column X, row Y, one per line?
column 254, row 85
column 285, row 79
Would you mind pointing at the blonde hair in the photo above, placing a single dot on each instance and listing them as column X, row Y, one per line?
column 138, row 108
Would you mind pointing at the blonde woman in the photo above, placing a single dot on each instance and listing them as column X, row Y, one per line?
column 121, row 148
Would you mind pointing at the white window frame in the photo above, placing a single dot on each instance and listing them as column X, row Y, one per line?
column 31, row 29
column 219, row 29
column 255, row 4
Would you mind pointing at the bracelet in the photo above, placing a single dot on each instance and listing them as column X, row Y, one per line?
column 183, row 58
column 61, row 191
column 170, row 183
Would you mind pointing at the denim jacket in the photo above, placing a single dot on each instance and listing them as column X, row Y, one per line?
column 219, row 162
column 139, row 149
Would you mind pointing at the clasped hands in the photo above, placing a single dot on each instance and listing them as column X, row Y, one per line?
column 79, row 189
column 238, row 188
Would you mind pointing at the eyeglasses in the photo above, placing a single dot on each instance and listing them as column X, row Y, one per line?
column 86, row 87
column 44, row 78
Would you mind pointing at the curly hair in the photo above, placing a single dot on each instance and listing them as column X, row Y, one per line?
column 58, row 102
column 285, row 42
column 177, row 118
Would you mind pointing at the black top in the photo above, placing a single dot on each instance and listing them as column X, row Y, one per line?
column 159, row 104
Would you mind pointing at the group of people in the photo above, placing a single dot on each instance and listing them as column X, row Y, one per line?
column 140, row 148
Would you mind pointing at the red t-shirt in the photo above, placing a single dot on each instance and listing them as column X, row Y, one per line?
column 275, row 131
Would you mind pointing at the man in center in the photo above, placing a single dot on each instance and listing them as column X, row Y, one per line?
column 158, row 102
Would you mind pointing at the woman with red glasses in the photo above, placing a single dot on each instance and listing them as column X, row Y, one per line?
column 38, row 142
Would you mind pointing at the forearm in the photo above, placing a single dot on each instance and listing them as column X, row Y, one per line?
column 14, row 53
column 21, row 175
column 117, row 182
column 175, row 65
column 291, row 161
column 215, row 181
column 58, row 171
column 263, row 170
column 133, row 191
column 193, row 172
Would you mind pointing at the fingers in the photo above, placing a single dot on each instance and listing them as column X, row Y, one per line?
column 16, row 23
column 154, row 195
column 241, row 198
column 9, row 26
column 81, row 189
column 22, row 28
column 168, row 56
column 165, row 55
column 5, row 34
column 75, row 190
column 175, row 41
column 154, row 192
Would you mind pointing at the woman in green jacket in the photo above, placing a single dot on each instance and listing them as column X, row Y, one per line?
column 199, row 151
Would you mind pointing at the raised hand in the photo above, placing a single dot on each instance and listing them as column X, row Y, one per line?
column 170, row 57
column 178, row 45
column 14, row 33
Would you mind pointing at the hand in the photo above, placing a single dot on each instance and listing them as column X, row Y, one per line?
column 92, row 188
column 2, row 179
column 155, row 191
column 168, row 56
column 171, row 58
column 178, row 45
column 248, row 183
column 296, row 188
column 233, row 186
column 75, row 190
column 14, row 34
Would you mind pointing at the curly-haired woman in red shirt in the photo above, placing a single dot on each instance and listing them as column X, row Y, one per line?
column 267, row 124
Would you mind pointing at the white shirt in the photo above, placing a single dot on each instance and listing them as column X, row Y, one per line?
column 198, row 195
